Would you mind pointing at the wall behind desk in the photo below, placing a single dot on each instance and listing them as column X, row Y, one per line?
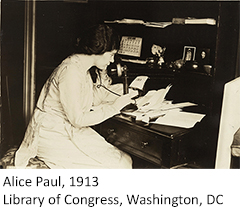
column 58, row 25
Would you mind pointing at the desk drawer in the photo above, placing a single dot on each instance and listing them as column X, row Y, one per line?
column 139, row 143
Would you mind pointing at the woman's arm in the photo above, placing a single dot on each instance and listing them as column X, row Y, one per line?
column 72, row 87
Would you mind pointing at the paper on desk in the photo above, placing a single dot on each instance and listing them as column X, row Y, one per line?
column 179, row 119
column 153, row 104
column 177, row 105
column 145, row 115
column 148, row 114
column 138, row 82
column 153, row 99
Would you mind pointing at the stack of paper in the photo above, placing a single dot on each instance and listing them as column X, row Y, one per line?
column 153, row 100
column 135, row 21
column 153, row 108
column 179, row 119
column 163, row 24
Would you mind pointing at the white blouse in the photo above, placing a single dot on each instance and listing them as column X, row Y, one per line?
column 68, row 103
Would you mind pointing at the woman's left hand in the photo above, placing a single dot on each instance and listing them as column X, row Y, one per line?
column 133, row 93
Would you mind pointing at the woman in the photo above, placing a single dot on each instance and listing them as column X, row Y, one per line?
column 59, row 132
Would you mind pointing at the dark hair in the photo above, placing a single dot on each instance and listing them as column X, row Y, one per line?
column 98, row 39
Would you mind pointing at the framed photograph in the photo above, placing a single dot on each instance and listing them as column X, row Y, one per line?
column 203, row 56
column 189, row 53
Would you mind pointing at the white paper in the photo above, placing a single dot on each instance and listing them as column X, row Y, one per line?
column 209, row 21
column 154, row 105
column 179, row 119
column 178, row 105
column 153, row 99
column 138, row 82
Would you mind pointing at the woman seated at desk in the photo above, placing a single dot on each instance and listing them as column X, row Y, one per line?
column 59, row 132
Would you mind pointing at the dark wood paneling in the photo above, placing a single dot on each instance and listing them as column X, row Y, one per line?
column 12, row 29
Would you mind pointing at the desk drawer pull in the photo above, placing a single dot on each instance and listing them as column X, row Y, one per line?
column 144, row 144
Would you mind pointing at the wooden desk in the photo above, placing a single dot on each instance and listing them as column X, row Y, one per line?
column 164, row 146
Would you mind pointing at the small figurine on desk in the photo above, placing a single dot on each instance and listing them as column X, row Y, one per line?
column 158, row 53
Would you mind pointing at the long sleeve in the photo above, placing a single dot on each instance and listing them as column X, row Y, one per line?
column 76, row 97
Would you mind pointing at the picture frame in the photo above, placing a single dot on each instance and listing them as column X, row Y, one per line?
column 189, row 53
column 203, row 56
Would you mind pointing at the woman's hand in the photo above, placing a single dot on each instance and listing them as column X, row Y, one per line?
column 122, row 101
column 133, row 93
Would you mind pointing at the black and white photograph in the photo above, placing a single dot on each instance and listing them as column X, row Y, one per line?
column 66, row 100
column 138, row 100
column 203, row 56
column 189, row 53
column 118, row 85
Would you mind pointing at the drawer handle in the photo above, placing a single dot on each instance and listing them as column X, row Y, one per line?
column 144, row 144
